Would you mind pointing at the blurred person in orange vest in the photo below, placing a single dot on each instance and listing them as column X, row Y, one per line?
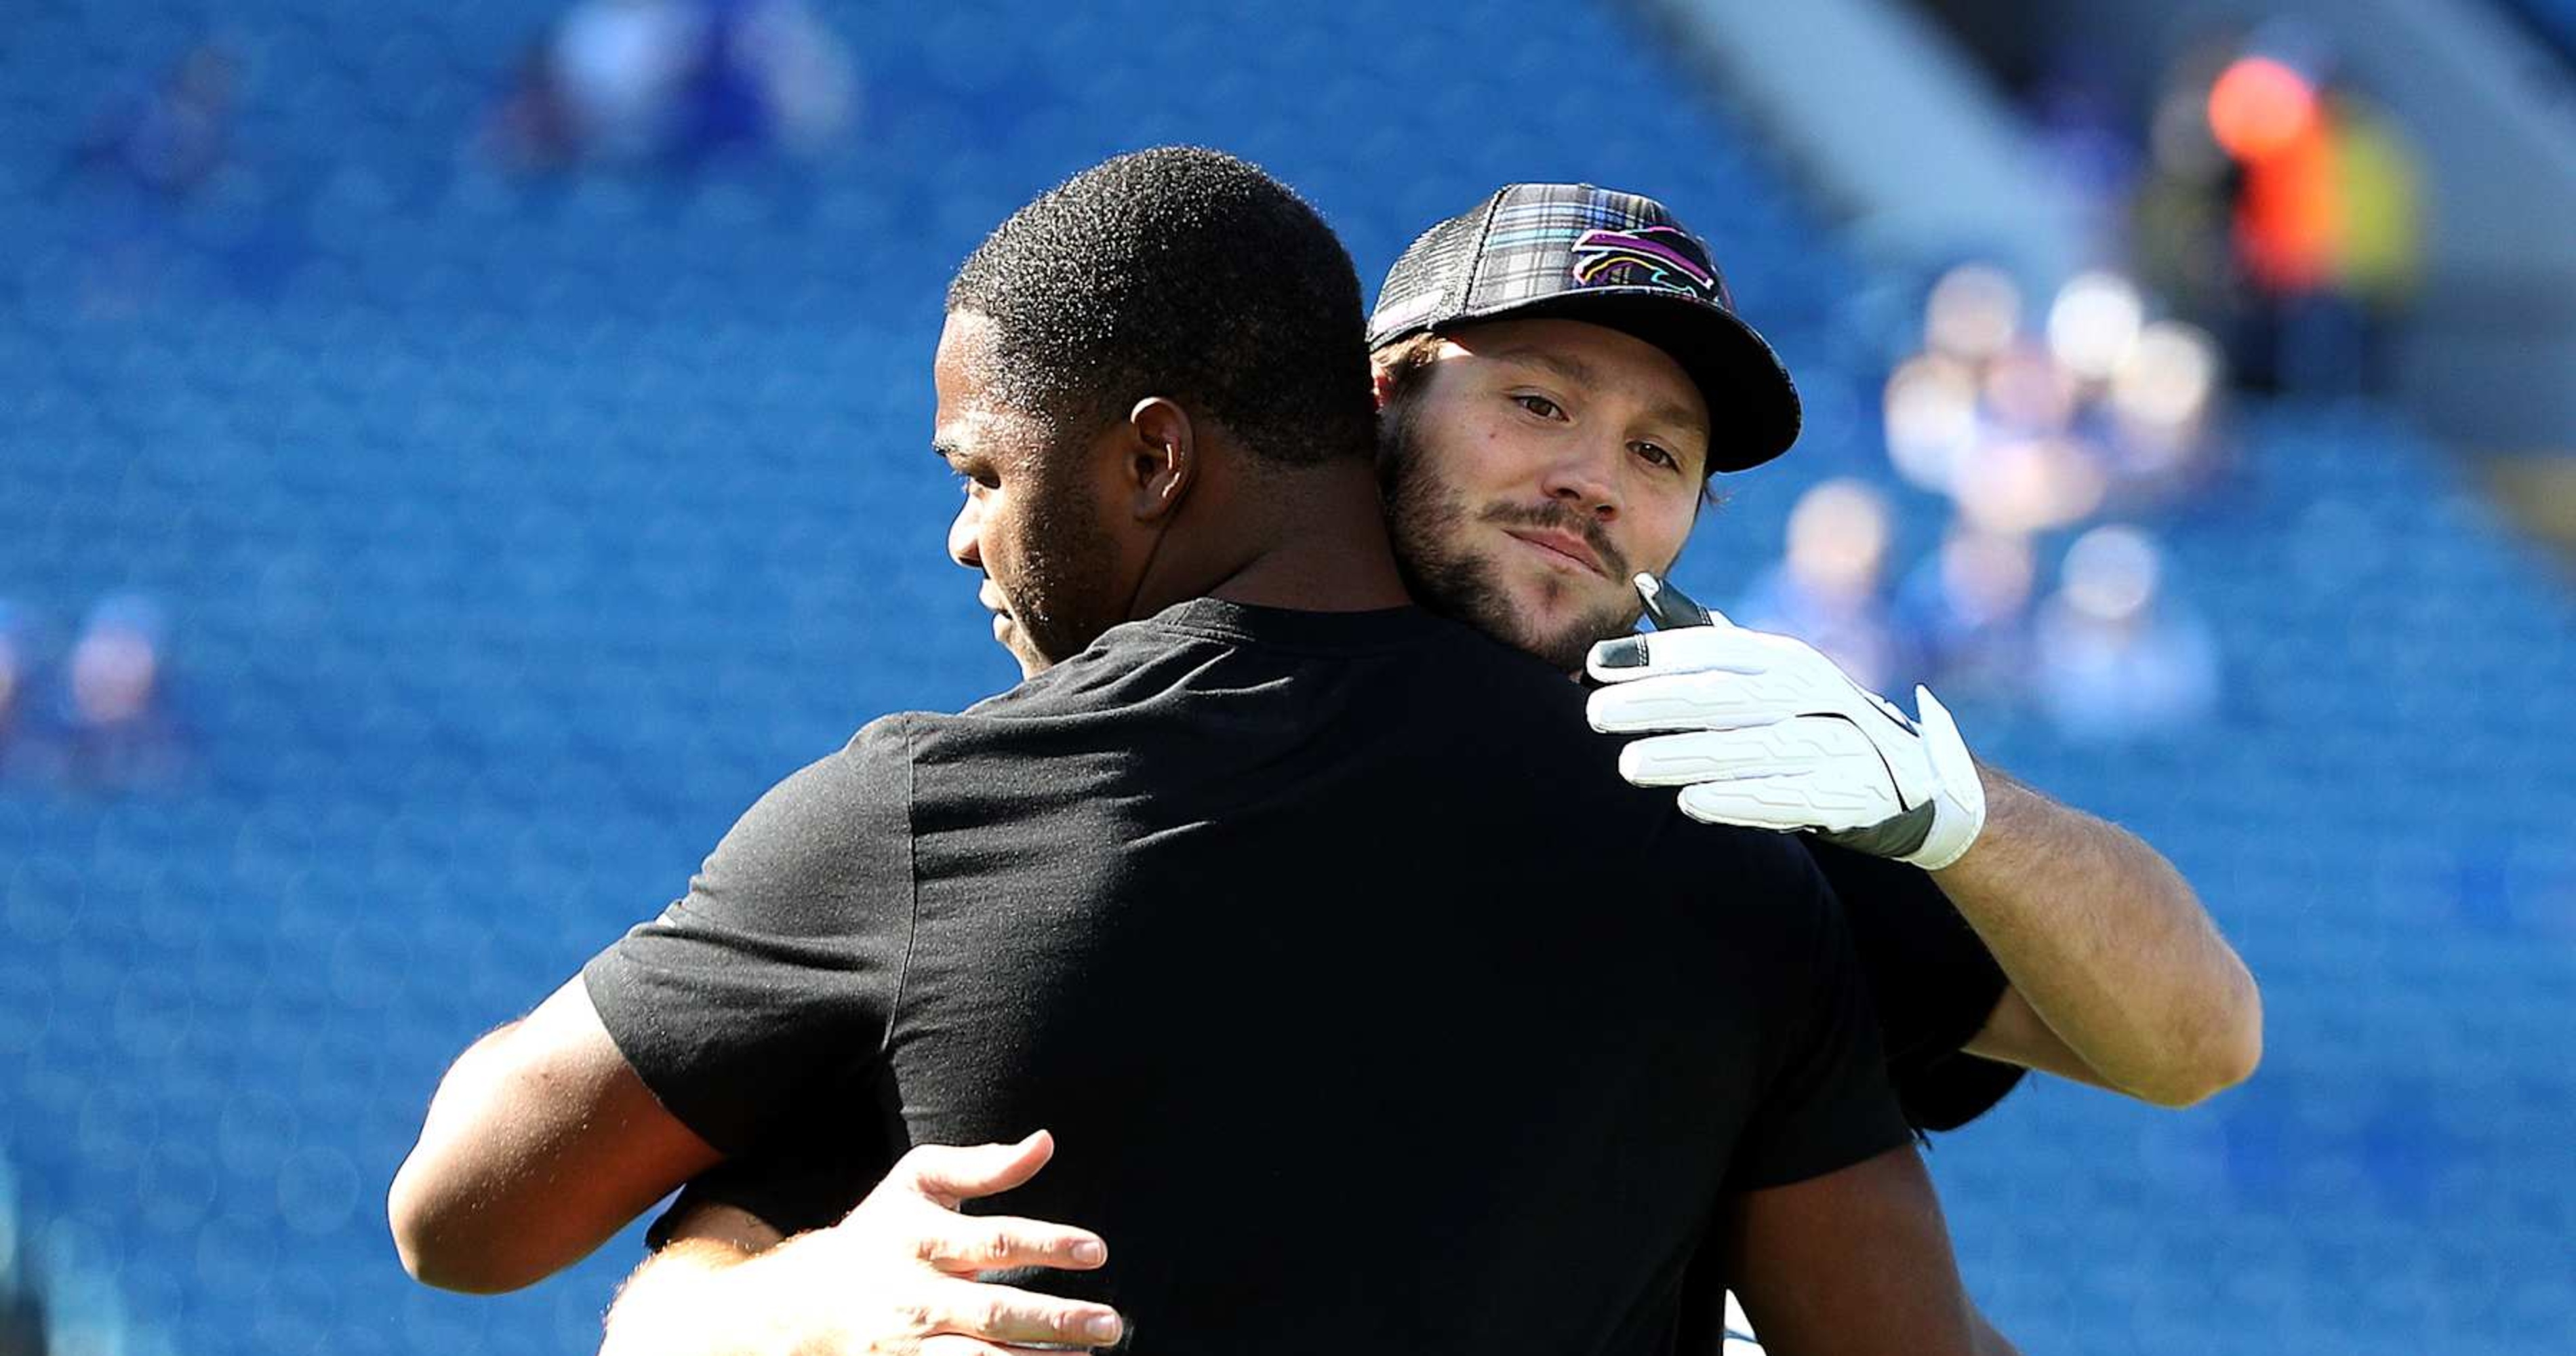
column 2287, row 219
column 2379, row 249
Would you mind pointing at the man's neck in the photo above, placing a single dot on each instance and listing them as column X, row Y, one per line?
column 1320, row 546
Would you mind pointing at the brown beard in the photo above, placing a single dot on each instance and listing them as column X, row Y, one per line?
column 1423, row 518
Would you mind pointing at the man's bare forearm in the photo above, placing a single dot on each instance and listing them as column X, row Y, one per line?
column 2109, row 946
column 693, row 1298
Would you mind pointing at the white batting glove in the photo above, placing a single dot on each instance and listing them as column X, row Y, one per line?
column 1776, row 737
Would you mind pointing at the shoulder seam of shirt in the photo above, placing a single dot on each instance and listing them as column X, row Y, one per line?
column 912, row 912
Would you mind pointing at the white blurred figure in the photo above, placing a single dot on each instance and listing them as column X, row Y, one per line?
column 675, row 81
column 803, row 72
column 1973, row 314
column 620, row 67
column 2164, row 400
column 1968, row 609
column 2094, row 325
column 2028, row 395
column 122, row 731
column 2032, row 483
column 1828, row 589
column 2116, row 660
column 1933, row 423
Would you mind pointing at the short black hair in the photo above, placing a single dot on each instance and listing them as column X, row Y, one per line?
column 1185, row 273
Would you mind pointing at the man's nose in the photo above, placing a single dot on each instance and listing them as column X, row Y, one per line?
column 962, row 546
column 1584, row 479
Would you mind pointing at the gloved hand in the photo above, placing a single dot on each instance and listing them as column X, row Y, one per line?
column 1776, row 737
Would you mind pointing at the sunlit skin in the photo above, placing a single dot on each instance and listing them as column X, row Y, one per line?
column 1533, row 469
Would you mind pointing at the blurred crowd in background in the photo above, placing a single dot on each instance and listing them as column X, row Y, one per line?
column 652, row 87
column 658, row 85
column 2261, row 231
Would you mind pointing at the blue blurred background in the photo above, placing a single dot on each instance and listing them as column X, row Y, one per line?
column 454, row 456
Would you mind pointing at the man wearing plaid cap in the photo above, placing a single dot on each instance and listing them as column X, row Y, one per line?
column 1546, row 294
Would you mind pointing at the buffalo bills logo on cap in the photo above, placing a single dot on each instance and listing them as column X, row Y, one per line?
column 1655, row 256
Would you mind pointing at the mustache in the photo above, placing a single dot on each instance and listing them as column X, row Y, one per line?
column 1552, row 514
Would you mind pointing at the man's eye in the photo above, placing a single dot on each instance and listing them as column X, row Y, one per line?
column 1540, row 405
column 1658, row 456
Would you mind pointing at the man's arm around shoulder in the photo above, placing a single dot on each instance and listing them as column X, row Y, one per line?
column 2119, row 977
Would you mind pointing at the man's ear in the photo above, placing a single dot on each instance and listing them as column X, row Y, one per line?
column 1382, row 381
column 1162, row 458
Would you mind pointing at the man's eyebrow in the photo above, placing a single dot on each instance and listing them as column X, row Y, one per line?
column 1571, row 368
column 1681, row 417
column 943, row 449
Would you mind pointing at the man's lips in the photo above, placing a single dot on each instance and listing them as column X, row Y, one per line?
column 993, row 602
column 1573, row 548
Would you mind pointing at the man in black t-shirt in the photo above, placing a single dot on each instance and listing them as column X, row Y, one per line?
column 1250, row 888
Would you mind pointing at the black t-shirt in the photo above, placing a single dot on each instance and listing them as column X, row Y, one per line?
column 1288, row 925
column 1932, row 981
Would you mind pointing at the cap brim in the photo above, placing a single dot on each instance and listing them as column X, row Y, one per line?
column 1752, row 404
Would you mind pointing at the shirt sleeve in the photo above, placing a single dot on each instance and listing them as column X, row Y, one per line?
column 776, row 975
column 808, row 1176
column 1932, row 980
column 1826, row 1102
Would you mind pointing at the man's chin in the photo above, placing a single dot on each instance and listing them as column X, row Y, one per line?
column 1015, row 642
column 1564, row 638
column 1542, row 615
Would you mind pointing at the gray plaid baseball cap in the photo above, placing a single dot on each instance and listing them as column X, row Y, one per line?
column 1576, row 252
